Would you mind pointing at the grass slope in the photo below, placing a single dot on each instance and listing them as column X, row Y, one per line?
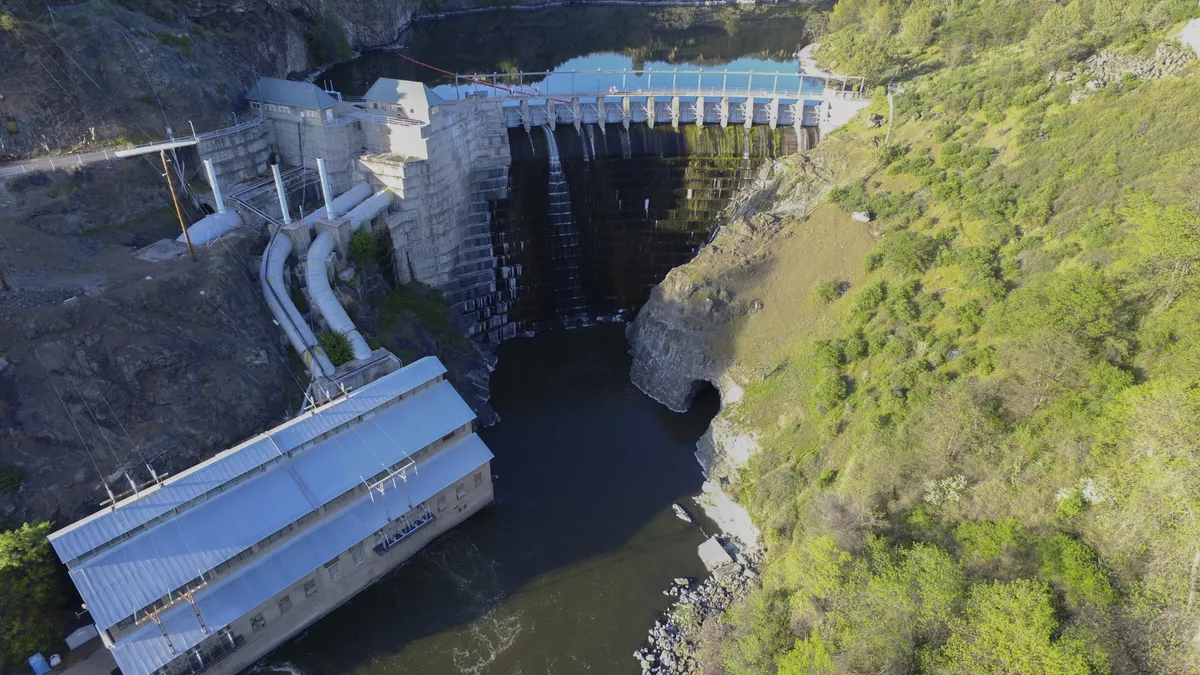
column 984, row 457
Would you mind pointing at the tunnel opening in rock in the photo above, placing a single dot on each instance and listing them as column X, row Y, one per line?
column 703, row 397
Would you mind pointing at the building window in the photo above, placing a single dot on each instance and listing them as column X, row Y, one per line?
column 255, row 105
column 310, row 587
column 284, row 108
column 357, row 553
column 271, row 107
column 285, row 603
column 461, row 491
column 478, row 479
column 442, row 503
column 333, row 569
column 258, row 623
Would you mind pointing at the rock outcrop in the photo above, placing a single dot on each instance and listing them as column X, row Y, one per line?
column 140, row 363
column 1107, row 67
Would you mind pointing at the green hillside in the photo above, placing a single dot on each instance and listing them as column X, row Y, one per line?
column 985, row 458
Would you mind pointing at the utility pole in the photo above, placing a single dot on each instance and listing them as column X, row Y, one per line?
column 178, row 212
column 3, row 283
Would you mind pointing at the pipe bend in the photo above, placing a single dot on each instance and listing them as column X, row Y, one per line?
column 325, row 301
column 285, row 312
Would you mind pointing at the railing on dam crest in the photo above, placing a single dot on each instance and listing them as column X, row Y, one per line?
column 651, row 82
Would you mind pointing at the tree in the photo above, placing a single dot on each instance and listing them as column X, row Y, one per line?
column 810, row 656
column 1166, row 246
column 1083, row 303
column 861, row 53
column 908, row 252
column 916, row 29
column 29, row 589
column 1009, row 628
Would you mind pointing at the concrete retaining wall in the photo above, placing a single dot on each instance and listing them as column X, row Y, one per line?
column 238, row 157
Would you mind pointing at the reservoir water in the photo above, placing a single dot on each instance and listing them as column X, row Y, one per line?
column 564, row 573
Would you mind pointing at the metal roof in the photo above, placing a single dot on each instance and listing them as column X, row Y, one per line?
column 126, row 578
column 387, row 90
column 146, row 650
column 290, row 93
column 87, row 534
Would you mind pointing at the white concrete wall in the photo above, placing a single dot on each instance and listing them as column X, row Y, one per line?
column 239, row 157
column 439, row 227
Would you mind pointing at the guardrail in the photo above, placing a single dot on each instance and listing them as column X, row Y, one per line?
column 370, row 117
column 108, row 154
column 625, row 82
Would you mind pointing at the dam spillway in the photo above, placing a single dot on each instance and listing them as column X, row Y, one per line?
column 642, row 201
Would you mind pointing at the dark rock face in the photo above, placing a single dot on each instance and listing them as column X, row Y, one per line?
column 100, row 72
column 162, row 364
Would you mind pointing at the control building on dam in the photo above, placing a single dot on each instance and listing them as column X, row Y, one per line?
column 211, row 569
column 530, row 200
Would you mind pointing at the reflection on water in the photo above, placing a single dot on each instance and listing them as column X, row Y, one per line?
column 565, row 572
column 763, row 39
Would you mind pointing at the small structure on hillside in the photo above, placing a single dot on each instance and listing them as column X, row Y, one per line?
column 412, row 100
column 285, row 99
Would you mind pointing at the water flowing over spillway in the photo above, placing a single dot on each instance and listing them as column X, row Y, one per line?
column 595, row 218
column 569, row 302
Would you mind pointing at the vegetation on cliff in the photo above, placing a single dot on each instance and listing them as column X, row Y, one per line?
column 984, row 458
column 29, row 589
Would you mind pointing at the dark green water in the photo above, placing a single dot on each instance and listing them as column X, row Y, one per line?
column 565, row 572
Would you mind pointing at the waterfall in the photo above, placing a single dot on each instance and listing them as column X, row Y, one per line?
column 591, row 139
column 568, row 291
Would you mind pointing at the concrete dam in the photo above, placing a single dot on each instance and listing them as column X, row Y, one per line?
column 528, row 209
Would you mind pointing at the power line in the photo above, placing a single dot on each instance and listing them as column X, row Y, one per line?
column 71, row 417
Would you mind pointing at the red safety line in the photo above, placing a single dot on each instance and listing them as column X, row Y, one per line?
column 473, row 80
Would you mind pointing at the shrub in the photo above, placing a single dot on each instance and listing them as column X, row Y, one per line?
column 944, row 130
column 1071, row 564
column 363, row 247
column 829, row 391
column 987, row 540
column 827, row 292
column 326, row 39
column 10, row 479
column 828, row 353
column 970, row 316
column 908, row 252
column 869, row 299
column 336, row 346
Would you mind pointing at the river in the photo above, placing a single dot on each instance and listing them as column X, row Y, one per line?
column 564, row 573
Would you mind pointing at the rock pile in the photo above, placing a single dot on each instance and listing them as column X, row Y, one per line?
column 1108, row 67
column 672, row 639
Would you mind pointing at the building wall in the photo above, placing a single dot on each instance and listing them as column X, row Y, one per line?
column 305, row 610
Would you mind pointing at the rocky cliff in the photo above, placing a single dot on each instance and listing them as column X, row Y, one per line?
column 99, row 72
column 720, row 318
column 109, row 362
